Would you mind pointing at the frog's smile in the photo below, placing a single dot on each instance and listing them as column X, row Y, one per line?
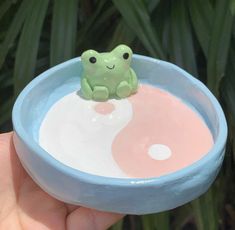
column 110, row 67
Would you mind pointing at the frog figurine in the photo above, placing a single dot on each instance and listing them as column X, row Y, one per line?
column 108, row 75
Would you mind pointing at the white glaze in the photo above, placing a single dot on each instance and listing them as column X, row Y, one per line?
column 159, row 152
column 76, row 135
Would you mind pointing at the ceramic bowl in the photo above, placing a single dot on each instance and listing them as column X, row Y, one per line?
column 130, row 196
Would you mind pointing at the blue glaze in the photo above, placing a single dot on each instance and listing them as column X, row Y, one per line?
column 132, row 196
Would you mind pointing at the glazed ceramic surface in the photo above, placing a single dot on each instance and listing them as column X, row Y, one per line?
column 107, row 75
column 149, row 134
column 132, row 196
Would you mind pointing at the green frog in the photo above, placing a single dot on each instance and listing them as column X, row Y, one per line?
column 108, row 75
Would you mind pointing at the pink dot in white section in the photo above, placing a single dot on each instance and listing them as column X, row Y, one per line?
column 104, row 108
column 159, row 152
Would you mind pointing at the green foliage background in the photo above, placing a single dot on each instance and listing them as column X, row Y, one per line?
column 198, row 35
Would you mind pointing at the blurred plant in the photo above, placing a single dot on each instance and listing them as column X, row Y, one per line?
column 197, row 35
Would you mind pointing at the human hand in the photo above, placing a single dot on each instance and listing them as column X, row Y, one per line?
column 24, row 205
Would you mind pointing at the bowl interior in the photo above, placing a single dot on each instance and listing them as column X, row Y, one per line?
column 55, row 83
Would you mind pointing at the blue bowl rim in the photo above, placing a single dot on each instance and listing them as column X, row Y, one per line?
column 171, row 178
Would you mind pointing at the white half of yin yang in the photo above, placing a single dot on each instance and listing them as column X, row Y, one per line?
column 76, row 135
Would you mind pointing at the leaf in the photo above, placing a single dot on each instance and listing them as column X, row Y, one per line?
column 152, row 4
column 4, row 7
column 64, row 28
column 6, row 80
column 100, row 27
column 163, row 220
column 161, row 21
column 121, row 35
column 227, row 88
column 182, row 50
column 182, row 216
column 202, row 13
column 149, row 222
column 26, row 54
column 156, row 221
column 137, row 18
column 219, row 44
column 117, row 226
column 206, row 211
column 14, row 29
column 5, row 110
column 87, row 27
column 232, row 7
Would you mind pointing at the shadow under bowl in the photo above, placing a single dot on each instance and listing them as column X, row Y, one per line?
column 129, row 196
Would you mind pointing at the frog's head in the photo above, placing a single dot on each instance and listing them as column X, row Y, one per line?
column 115, row 62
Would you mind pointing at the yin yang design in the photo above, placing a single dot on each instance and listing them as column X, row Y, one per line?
column 150, row 134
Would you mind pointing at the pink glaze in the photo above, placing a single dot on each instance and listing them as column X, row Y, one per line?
column 160, row 118
column 104, row 108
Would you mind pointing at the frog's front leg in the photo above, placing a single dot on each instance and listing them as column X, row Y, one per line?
column 86, row 89
column 100, row 93
column 123, row 89
column 133, row 81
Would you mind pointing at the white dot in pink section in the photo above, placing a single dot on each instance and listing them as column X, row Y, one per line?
column 159, row 152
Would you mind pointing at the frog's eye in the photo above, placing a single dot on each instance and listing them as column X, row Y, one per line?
column 92, row 60
column 89, row 57
column 123, row 52
column 125, row 56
